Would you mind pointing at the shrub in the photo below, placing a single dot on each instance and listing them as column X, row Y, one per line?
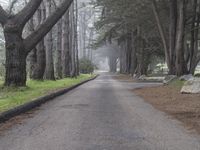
column 86, row 66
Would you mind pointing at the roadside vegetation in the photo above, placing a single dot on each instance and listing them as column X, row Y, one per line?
column 11, row 97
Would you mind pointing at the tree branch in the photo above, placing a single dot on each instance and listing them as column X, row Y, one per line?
column 3, row 15
column 44, row 28
column 12, row 5
column 27, row 12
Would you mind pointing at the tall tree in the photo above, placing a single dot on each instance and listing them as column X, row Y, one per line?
column 66, row 46
column 18, row 48
column 49, row 71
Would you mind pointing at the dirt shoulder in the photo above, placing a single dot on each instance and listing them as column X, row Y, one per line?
column 124, row 78
column 183, row 107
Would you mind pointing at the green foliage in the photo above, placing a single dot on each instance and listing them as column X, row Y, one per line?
column 86, row 66
column 197, row 75
column 12, row 97
column 177, row 83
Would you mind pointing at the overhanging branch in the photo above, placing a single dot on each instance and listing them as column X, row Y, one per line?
column 44, row 28
column 3, row 15
column 27, row 12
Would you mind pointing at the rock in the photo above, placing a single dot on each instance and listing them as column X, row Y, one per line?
column 186, row 77
column 169, row 78
column 142, row 77
column 191, row 86
column 151, row 79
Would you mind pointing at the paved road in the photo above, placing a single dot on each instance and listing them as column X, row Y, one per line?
column 100, row 115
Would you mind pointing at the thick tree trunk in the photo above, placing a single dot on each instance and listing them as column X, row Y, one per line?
column 73, row 42
column 15, row 58
column 32, row 59
column 59, row 50
column 161, row 31
column 181, row 67
column 172, row 36
column 76, row 38
column 40, row 65
column 49, row 72
column 65, row 46
column 194, row 38
column 39, row 69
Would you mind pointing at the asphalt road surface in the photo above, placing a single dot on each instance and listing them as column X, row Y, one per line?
column 100, row 115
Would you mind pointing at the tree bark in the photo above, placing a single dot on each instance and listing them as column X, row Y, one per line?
column 65, row 46
column 133, row 55
column 49, row 71
column 161, row 31
column 15, row 59
column 181, row 67
column 194, row 38
column 73, row 42
column 76, row 38
column 172, row 36
column 59, row 50
column 40, row 65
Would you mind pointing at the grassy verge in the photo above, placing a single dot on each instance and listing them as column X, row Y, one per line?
column 177, row 84
column 12, row 97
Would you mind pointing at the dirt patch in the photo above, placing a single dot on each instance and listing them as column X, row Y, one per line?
column 124, row 78
column 183, row 107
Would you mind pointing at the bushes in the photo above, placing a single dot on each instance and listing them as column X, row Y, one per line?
column 86, row 66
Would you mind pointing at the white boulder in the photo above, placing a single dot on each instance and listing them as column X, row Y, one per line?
column 186, row 77
column 142, row 77
column 191, row 86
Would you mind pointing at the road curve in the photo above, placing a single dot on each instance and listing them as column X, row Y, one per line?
column 100, row 115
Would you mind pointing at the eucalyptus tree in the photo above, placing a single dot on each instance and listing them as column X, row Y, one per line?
column 145, row 28
column 49, row 70
column 18, row 48
column 181, row 44
column 131, row 24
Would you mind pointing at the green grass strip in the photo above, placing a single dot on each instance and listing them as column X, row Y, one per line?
column 12, row 97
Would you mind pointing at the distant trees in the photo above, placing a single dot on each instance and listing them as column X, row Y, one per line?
column 38, row 17
column 148, row 29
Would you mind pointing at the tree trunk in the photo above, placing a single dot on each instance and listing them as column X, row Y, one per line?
column 39, row 68
column 49, row 72
column 73, row 42
column 161, row 31
column 181, row 67
column 76, row 39
column 133, row 56
column 194, row 38
column 65, row 46
column 15, row 58
column 59, row 50
column 32, row 59
column 172, row 36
